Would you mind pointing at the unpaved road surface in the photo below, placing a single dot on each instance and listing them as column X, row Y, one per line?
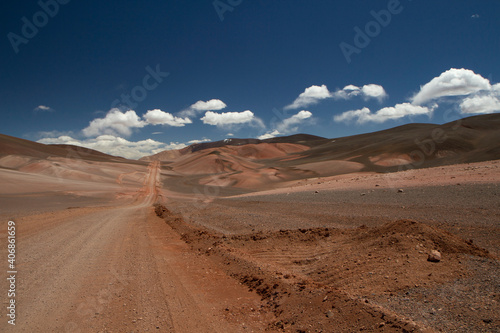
column 119, row 269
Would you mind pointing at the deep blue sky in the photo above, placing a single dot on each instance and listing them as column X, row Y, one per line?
column 259, row 58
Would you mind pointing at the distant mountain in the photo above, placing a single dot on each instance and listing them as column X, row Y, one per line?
column 10, row 145
column 302, row 139
column 252, row 163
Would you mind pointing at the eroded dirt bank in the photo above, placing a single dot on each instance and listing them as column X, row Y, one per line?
column 342, row 279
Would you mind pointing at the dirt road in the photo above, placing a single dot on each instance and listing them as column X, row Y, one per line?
column 118, row 269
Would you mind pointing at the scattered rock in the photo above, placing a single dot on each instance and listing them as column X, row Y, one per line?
column 329, row 314
column 434, row 256
column 400, row 190
column 316, row 191
column 363, row 194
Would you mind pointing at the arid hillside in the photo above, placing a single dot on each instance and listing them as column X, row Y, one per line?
column 252, row 164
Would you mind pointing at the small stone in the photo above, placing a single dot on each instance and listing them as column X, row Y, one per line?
column 362, row 194
column 316, row 191
column 400, row 190
column 329, row 314
column 434, row 256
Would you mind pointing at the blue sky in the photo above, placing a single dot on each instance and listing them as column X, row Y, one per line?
column 209, row 70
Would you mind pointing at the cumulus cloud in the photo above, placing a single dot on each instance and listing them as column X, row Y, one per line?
column 201, row 106
column 291, row 124
column 159, row 117
column 43, row 108
column 199, row 141
column 288, row 125
column 453, row 82
column 226, row 119
column 310, row 96
column 367, row 91
column 374, row 91
column 117, row 146
column 314, row 94
column 269, row 135
column 364, row 115
column 480, row 105
column 114, row 123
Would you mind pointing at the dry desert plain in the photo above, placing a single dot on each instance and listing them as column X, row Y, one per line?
column 295, row 234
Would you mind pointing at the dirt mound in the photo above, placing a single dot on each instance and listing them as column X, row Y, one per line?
column 276, row 265
column 408, row 233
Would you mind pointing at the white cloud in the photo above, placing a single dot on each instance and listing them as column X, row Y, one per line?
column 454, row 82
column 43, row 108
column 399, row 111
column 269, row 135
column 116, row 146
column 480, row 105
column 291, row 124
column 115, row 122
column 199, row 141
column 314, row 94
column 201, row 106
column 231, row 118
column 347, row 92
column 374, row 91
column 55, row 133
column 310, row 96
column 475, row 16
column 159, row 117
column 229, row 134
column 367, row 91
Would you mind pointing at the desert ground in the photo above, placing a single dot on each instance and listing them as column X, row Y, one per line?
column 257, row 236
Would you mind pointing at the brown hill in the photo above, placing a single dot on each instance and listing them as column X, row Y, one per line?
column 34, row 167
column 411, row 146
column 250, row 163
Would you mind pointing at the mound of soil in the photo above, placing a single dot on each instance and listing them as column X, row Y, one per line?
column 318, row 279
